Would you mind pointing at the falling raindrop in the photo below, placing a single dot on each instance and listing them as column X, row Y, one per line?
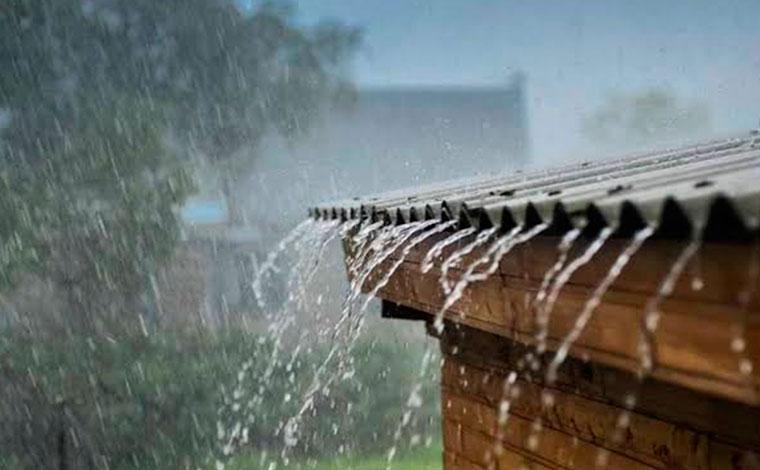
column 436, row 250
column 651, row 316
column 544, row 314
column 594, row 300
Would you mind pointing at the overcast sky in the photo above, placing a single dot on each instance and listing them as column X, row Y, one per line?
column 574, row 52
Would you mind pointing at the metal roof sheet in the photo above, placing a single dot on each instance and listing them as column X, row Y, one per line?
column 711, row 187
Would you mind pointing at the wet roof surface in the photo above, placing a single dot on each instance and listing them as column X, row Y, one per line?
column 712, row 187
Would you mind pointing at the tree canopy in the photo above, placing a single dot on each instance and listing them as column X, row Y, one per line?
column 646, row 117
column 106, row 103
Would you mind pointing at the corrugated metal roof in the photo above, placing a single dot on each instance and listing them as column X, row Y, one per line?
column 713, row 187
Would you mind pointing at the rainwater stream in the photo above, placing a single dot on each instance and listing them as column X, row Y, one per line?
column 375, row 252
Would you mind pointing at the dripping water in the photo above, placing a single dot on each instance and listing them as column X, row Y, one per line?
column 583, row 319
column 429, row 261
column 269, row 263
column 652, row 311
column 453, row 295
column 564, row 250
column 494, row 253
column 441, row 227
column 371, row 244
column 278, row 322
column 456, row 257
column 381, row 249
column 491, row 259
column 650, row 320
column 749, row 291
column 544, row 314
column 509, row 388
column 593, row 302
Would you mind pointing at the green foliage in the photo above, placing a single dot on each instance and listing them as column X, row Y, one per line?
column 356, row 415
column 425, row 458
column 93, row 402
column 159, row 401
column 110, row 102
column 396, row 369
column 645, row 118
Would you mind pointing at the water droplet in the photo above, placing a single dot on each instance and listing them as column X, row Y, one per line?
column 623, row 420
column 630, row 400
column 602, row 458
column 652, row 320
column 515, row 393
column 548, row 399
column 498, row 448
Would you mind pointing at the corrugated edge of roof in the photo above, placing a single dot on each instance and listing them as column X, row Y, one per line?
column 711, row 188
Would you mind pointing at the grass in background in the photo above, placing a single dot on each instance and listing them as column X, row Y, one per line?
column 427, row 459
column 155, row 402
column 423, row 458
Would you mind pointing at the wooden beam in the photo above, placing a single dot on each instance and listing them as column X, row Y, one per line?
column 393, row 310
column 693, row 341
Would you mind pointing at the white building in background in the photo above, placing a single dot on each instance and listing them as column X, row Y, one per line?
column 388, row 139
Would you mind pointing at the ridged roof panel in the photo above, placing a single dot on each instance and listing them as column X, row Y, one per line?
column 713, row 187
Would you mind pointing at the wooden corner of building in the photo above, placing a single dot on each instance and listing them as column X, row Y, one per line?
column 698, row 410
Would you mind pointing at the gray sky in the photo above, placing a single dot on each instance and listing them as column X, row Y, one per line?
column 574, row 52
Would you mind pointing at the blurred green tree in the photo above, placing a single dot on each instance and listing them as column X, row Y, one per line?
column 648, row 117
column 106, row 104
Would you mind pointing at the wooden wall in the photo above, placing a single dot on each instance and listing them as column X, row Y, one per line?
column 671, row 427
column 693, row 340
column 698, row 410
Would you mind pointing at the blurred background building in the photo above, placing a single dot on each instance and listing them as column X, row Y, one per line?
column 383, row 139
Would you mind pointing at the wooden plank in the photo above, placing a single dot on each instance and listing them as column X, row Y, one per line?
column 655, row 442
column 452, row 461
column 741, row 391
column 487, row 358
column 560, row 449
column 480, row 447
column 722, row 281
column 509, row 459
column 693, row 342
column 698, row 411
column 452, row 435
column 696, row 434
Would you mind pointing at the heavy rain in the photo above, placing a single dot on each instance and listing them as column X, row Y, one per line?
column 394, row 234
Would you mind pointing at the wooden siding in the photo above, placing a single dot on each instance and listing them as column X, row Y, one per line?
column 672, row 427
column 692, row 343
